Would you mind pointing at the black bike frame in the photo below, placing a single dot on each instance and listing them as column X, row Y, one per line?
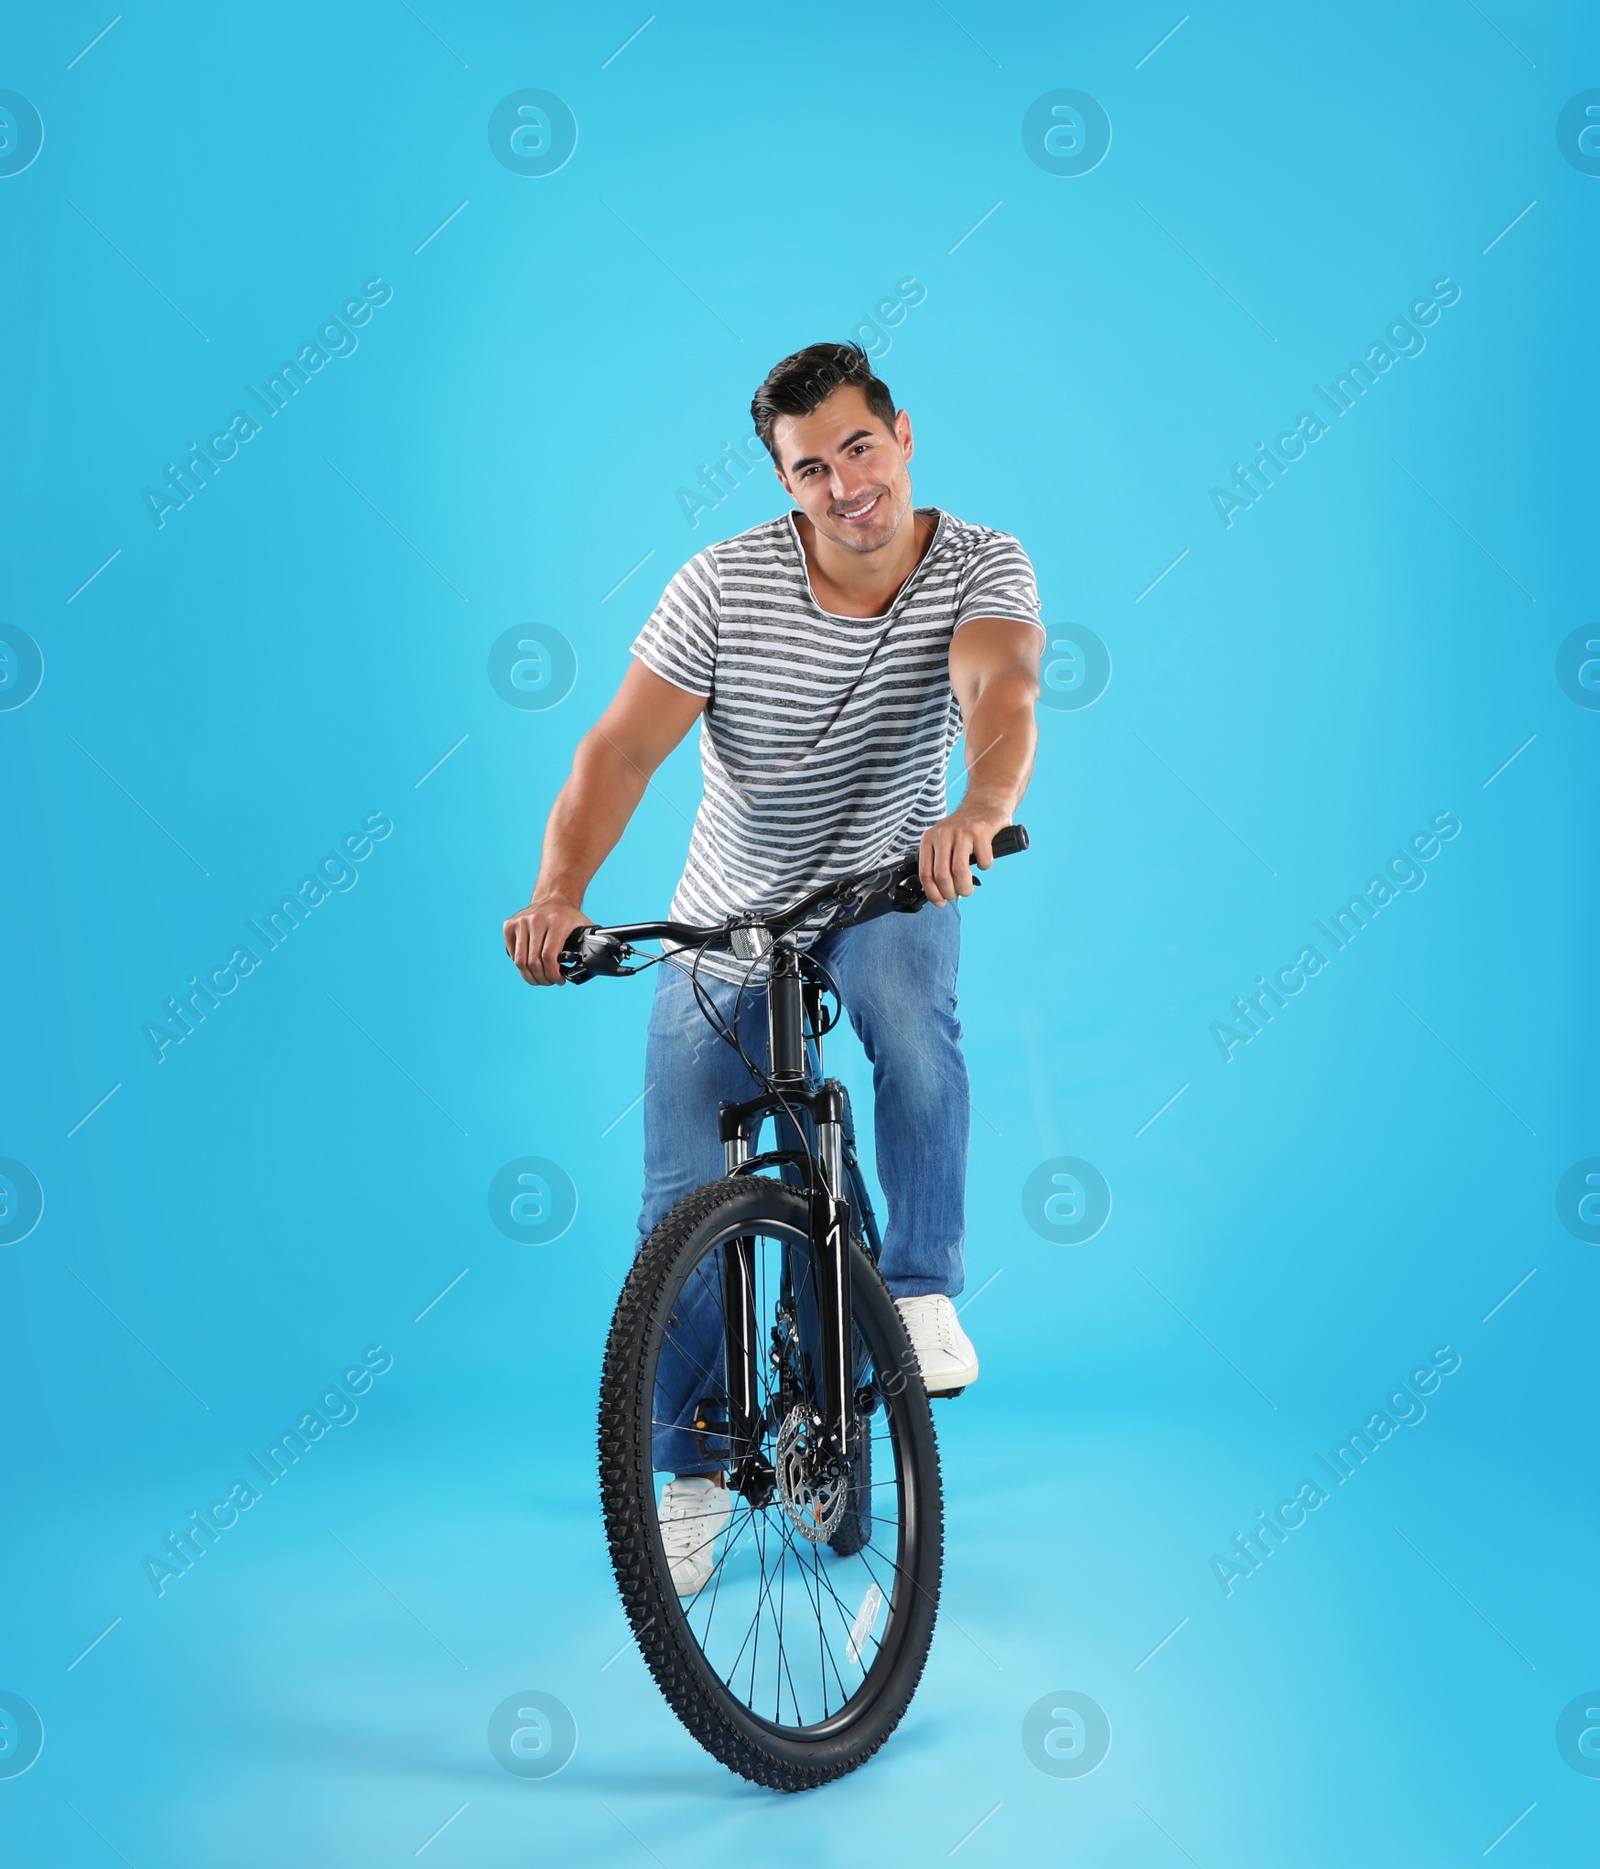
column 827, row 1170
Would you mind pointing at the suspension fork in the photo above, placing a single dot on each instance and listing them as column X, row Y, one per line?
column 830, row 1236
column 740, row 1342
column 828, row 1195
column 828, row 1192
column 794, row 1094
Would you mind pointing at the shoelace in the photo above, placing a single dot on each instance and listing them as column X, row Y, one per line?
column 940, row 1318
column 680, row 1530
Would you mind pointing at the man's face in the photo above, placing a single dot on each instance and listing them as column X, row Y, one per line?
column 845, row 470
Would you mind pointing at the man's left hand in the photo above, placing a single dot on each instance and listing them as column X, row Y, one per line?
column 953, row 845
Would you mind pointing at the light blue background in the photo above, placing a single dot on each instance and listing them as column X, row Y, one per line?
column 1302, row 1227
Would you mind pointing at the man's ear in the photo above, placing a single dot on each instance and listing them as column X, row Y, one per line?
column 902, row 430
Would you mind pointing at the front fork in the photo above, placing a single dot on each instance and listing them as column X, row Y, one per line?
column 828, row 1194
column 830, row 1233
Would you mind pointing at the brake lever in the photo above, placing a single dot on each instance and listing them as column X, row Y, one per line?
column 596, row 953
column 895, row 889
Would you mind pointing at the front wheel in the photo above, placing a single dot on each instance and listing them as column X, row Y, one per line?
column 797, row 1654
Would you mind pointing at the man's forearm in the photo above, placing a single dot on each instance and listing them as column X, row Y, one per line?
column 647, row 718
column 1001, row 738
column 588, row 818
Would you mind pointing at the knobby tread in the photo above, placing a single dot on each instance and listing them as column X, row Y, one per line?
column 627, row 1491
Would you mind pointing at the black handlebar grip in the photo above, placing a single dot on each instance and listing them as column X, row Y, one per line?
column 1007, row 842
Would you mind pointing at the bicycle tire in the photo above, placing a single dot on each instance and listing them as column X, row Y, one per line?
column 854, row 1531
column 782, row 1757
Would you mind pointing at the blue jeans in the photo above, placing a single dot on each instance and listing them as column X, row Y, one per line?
column 897, row 979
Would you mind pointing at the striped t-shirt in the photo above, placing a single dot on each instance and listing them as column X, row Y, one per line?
column 825, row 738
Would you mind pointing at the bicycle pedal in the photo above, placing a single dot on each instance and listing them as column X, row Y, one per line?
column 945, row 1395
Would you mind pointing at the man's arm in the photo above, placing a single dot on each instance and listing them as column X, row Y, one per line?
column 994, row 670
column 612, row 766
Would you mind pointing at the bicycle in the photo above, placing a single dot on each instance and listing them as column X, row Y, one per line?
column 790, row 1667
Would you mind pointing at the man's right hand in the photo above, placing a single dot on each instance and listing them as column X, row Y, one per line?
column 535, row 938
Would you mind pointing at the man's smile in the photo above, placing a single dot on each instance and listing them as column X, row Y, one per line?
column 857, row 515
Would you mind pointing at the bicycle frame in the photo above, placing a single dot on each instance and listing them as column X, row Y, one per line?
column 835, row 1188
column 829, row 1173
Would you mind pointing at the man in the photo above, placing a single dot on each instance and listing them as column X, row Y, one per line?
column 833, row 656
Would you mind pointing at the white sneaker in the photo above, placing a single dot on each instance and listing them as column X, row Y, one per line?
column 693, row 1513
column 944, row 1350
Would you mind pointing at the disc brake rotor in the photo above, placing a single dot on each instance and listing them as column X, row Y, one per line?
column 814, row 1500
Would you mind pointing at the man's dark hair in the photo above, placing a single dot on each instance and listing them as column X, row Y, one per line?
column 806, row 380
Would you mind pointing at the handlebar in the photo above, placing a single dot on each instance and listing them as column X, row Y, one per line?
column 896, row 888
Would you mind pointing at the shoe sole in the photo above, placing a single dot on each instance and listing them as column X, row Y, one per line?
column 950, row 1388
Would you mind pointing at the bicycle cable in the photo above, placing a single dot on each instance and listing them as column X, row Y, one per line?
column 714, row 1017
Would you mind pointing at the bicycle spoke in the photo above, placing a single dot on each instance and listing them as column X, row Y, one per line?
column 729, row 1546
column 766, row 1585
column 783, row 1660
column 821, row 1577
